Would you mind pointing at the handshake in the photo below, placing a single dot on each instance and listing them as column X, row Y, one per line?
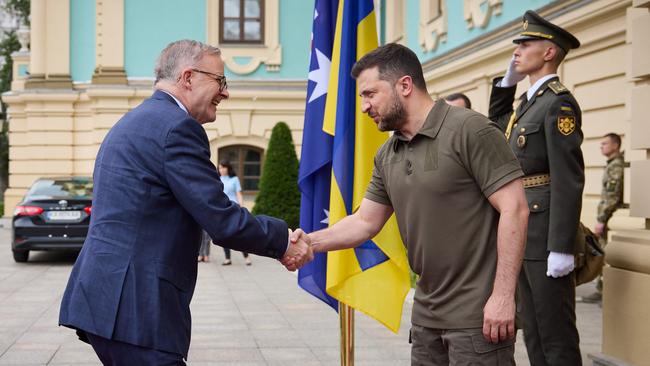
column 300, row 251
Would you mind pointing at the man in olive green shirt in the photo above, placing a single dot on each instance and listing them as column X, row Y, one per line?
column 456, row 191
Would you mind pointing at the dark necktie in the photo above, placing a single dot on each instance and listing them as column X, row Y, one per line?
column 523, row 100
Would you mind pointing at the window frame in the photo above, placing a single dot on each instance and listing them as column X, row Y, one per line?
column 242, row 19
column 239, row 165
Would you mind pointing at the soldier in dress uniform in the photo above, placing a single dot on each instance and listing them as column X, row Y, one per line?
column 545, row 133
column 611, row 197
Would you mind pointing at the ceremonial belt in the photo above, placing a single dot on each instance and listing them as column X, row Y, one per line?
column 536, row 180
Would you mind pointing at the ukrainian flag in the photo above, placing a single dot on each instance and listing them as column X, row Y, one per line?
column 373, row 277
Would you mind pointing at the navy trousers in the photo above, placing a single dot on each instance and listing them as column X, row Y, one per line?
column 115, row 353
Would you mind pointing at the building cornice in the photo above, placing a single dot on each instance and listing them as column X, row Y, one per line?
column 500, row 36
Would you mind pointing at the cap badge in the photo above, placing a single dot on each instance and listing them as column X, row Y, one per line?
column 525, row 24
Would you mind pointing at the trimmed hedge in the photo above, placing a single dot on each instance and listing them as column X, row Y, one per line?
column 279, row 195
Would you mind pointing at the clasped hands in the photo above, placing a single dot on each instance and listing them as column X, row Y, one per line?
column 300, row 251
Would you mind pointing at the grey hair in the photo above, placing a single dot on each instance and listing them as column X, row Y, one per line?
column 179, row 55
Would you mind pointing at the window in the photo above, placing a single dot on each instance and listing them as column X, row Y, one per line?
column 74, row 188
column 244, row 58
column 247, row 163
column 242, row 21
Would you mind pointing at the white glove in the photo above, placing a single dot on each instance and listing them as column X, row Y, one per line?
column 559, row 264
column 512, row 77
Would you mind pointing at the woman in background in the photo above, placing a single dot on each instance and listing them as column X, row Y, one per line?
column 232, row 188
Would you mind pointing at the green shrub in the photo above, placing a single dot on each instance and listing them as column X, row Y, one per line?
column 279, row 195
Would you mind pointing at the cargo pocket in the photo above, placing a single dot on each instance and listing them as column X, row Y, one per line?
column 498, row 354
column 481, row 345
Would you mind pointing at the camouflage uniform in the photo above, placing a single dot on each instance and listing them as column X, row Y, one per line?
column 611, row 198
column 611, row 195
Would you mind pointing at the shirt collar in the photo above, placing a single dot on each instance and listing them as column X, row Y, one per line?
column 616, row 156
column 176, row 100
column 432, row 123
column 533, row 89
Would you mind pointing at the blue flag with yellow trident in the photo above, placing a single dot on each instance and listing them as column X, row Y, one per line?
column 339, row 143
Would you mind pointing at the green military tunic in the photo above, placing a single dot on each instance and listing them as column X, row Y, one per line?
column 611, row 195
column 545, row 136
column 546, row 139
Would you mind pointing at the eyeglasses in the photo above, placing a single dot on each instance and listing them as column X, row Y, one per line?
column 221, row 79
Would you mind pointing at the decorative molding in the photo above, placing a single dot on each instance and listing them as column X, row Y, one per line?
column 52, row 81
column 269, row 54
column 23, row 37
column 503, row 35
column 49, row 45
column 109, row 75
column 109, row 43
column 641, row 3
column 476, row 17
column 219, row 141
column 395, row 21
column 21, row 63
column 433, row 24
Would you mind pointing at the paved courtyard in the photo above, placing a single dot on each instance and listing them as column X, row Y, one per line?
column 242, row 315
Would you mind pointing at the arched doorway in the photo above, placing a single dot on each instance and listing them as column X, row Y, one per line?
column 246, row 160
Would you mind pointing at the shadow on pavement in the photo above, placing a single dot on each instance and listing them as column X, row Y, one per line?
column 49, row 258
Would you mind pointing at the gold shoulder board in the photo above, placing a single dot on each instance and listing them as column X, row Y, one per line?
column 557, row 87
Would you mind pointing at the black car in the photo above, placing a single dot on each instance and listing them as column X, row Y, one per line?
column 54, row 215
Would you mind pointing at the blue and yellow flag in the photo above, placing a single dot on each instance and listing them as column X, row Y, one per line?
column 373, row 277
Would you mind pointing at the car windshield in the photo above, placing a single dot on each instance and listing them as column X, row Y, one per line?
column 68, row 188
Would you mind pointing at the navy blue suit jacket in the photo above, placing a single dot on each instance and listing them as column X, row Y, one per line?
column 154, row 189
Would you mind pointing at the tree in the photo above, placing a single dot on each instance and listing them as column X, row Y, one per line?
column 19, row 8
column 279, row 195
column 8, row 46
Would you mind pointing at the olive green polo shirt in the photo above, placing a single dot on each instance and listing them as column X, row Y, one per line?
column 438, row 184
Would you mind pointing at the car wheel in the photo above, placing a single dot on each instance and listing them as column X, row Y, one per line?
column 21, row 256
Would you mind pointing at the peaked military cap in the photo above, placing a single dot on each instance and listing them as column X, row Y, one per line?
column 536, row 27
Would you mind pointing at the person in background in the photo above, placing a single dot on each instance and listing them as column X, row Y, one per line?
column 611, row 197
column 232, row 188
column 458, row 100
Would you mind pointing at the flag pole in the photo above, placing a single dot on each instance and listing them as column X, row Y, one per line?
column 346, row 320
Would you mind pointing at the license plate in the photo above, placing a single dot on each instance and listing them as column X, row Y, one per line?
column 63, row 215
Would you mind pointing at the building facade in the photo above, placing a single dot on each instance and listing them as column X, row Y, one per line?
column 92, row 61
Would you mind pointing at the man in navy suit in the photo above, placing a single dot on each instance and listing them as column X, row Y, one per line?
column 155, row 189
